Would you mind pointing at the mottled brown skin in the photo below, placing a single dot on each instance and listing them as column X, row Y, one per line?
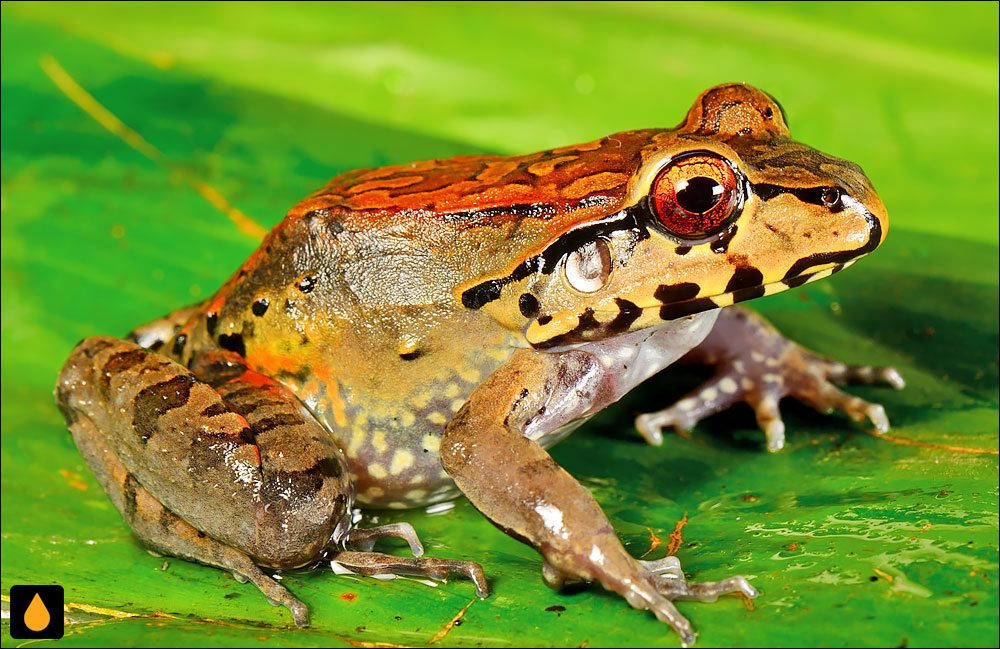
column 415, row 331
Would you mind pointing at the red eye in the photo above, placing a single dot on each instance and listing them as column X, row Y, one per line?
column 695, row 196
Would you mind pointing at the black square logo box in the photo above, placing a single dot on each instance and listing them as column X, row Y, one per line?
column 36, row 612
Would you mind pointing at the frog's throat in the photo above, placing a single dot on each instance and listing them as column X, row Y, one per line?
column 597, row 324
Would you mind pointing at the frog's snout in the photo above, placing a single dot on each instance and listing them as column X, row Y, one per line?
column 876, row 209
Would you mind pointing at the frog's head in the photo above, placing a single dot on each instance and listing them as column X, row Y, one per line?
column 723, row 208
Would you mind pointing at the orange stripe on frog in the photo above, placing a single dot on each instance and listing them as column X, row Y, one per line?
column 324, row 373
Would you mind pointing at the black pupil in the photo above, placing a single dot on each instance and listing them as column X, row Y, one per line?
column 699, row 195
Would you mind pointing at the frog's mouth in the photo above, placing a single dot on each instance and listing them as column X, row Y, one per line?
column 674, row 310
column 594, row 324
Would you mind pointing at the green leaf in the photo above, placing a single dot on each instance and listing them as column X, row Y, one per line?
column 851, row 539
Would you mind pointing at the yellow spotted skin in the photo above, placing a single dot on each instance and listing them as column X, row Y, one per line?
column 386, row 297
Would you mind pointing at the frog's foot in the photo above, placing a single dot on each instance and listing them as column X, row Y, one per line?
column 663, row 584
column 374, row 564
column 667, row 576
column 755, row 364
column 365, row 539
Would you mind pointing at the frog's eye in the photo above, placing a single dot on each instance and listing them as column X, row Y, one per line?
column 588, row 268
column 695, row 196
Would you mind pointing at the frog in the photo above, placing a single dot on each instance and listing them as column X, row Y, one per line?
column 413, row 333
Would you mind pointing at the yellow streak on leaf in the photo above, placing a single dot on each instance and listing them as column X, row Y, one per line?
column 75, row 92
column 944, row 447
column 884, row 575
column 69, row 607
column 451, row 624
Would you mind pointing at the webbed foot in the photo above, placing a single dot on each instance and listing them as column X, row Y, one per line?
column 755, row 364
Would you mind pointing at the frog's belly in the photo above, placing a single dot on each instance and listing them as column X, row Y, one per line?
column 395, row 461
column 408, row 474
column 411, row 475
column 391, row 440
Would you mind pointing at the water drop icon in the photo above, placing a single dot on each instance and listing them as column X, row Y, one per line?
column 36, row 617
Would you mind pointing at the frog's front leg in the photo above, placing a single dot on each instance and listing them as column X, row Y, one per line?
column 511, row 479
column 756, row 364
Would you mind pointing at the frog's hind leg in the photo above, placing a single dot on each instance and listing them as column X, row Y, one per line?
column 755, row 364
column 162, row 531
column 375, row 563
column 365, row 538
column 231, row 468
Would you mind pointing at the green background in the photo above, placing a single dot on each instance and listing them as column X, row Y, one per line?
column 851, row 539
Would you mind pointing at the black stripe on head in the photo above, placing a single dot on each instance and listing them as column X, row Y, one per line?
column 546, row 261
column 681, row 309
column 841, row 257
column 811, row 195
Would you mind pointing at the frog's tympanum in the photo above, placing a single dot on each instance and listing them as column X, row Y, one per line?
column 416, row 332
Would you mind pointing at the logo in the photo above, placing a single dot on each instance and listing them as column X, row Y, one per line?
column 36, row 612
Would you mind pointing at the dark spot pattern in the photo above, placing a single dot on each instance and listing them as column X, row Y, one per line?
column 234, row 343
column 118, row 363
column 681, row 309
column 628, row 313
column 671, row 293
column 156, row 400
column 746, row 277
column 270, row 423
column 590, row 328
column 724, row 238
column 306, row 284
column 179, row 343
column 211, row 322
column 215, row 410
column 528, row 305
column 259, row 307
column 129, row 489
